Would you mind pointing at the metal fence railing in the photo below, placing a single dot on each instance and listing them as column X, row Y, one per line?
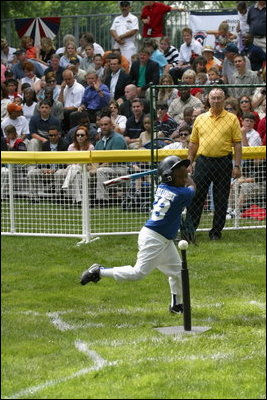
column 77, row 24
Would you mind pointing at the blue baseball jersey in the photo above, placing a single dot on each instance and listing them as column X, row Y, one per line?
column 168, row 205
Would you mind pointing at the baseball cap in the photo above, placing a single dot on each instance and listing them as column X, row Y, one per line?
column 19, row 51
column 125, row 3
column 208, row 48
column 12, row 107
column 231, row 48
column 74, row 60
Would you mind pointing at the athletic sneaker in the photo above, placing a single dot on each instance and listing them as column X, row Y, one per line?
column 92, row 274
column 177, row 308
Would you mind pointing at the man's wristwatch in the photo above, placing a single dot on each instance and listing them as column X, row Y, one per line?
column 237, row 166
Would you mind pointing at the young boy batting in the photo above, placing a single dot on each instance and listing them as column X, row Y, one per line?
column 155, row 240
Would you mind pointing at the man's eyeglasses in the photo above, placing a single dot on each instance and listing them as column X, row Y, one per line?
column 244, row 101
column 80, row 135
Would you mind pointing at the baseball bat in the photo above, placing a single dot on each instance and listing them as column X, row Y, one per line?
column 186, row 293
column 129, row 177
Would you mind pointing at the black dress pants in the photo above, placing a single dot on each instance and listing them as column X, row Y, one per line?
column 218, row 171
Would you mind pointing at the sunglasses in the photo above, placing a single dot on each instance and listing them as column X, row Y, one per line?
column 229, row 109
column 53, row 135
column 80, row 135
column 244, row 101
column 52, row 81
column 183, row 134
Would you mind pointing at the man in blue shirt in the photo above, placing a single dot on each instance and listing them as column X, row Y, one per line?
column 256, row 20
column 96, row 96
column 155, row 241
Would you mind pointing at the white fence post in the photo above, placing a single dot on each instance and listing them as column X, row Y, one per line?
column 11, row 198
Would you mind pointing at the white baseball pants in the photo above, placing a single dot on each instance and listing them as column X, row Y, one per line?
column 155, row 251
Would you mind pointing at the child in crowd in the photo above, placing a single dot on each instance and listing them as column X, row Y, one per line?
column 18, row 100
column 87, row 63
column 12, row 139
column 250, row 137
column 9, row 74
column 31, row 50
column 189, row 77
column 12, row 89
column 214, row 76
column 223, row 36
column 98, row 66
column 29, row 77
column 146, row 136
column 201, row 78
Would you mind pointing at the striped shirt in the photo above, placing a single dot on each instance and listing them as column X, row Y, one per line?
column 171, row 55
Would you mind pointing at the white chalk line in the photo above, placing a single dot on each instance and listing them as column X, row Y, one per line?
column 99, row 363
column 61, row 325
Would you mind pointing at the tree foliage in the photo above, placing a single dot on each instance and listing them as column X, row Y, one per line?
column 25, row 9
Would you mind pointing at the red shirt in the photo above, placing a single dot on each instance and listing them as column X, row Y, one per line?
column 262, row 130
column 31, row 52
column 156, row 13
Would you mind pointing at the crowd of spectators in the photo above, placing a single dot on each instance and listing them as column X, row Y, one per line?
column 81, row 91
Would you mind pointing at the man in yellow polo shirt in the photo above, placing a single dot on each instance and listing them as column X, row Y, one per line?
column 214, row 133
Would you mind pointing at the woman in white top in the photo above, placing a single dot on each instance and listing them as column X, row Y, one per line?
column 181, row 137
column 73, row 177
column 167, row 95
column 119, row 121
column 70, row 51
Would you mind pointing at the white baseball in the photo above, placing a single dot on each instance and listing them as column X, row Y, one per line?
column 183, row 245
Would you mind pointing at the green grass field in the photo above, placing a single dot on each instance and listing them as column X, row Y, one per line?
column 66, row 341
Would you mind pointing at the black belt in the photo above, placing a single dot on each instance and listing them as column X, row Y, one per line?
column 229, row 156
column 259, row 36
